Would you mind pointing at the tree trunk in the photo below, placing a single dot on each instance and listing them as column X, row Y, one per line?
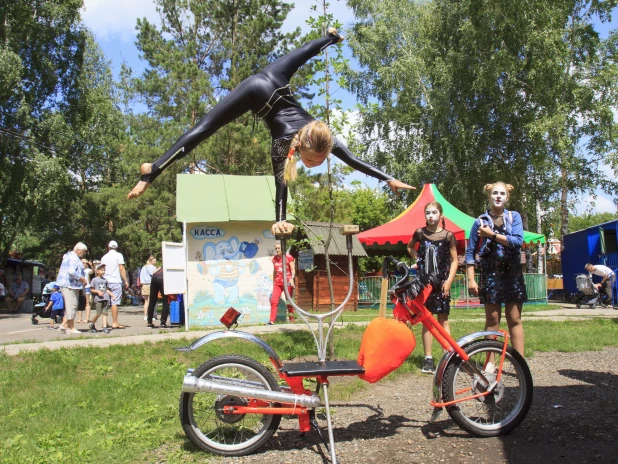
column 564, row 205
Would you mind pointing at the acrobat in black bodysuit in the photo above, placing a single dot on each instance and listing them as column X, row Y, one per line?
column 268, row 95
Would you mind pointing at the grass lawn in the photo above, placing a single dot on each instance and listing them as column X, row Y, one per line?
column 120, row 404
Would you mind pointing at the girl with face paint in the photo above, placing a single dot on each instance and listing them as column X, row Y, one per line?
column 499, row 233
column 435, row 250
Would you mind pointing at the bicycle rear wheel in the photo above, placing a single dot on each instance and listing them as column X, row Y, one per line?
column 202, row 416
column 505, row 407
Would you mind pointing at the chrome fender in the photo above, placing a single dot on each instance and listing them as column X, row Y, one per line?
column 233, row 334
column 463, row 342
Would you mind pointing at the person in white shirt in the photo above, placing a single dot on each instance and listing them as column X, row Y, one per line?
column 116, row 276
column 607, row 281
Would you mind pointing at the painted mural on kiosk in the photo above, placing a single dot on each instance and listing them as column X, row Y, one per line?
column 230, row 264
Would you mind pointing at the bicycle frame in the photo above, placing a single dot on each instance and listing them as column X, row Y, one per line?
column 413, row 311
column 295, row 399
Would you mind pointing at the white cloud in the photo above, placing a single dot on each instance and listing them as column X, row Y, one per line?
column 590, row 204
column 116, row 19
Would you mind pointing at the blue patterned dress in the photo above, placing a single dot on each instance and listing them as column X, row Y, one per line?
column 501, row 278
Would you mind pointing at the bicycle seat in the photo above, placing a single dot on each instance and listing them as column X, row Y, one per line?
column 315, row 368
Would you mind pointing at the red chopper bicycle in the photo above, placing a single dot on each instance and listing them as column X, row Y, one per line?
column 232, row 404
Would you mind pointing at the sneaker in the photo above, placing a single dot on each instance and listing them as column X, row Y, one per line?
column 163, row 326
column 49, row 327
column 72, row 331
column 490, row 368
column 92, row 328
column 151, row 326
column 62, row 329
column 269, row 323
column 107, row 330
column 428, row 367
column 145, row 318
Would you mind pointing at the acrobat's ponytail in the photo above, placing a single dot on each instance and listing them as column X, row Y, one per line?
column 289, row 171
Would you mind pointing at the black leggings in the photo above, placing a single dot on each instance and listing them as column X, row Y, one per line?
column 156, row 286
column 250, row 95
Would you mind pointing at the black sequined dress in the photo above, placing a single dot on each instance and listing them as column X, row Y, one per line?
column 434, row 254
column 501, row 277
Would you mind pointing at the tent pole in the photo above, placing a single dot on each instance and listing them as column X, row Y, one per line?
column 466, row 277
column 545, row 270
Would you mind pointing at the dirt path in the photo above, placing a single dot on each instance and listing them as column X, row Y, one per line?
column 573, row 419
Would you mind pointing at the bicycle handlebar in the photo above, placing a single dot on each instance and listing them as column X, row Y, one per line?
column 399, row 265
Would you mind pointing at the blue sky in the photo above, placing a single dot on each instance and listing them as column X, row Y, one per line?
column 113, row 23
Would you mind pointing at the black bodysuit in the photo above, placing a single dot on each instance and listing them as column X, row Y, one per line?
column 268, row 95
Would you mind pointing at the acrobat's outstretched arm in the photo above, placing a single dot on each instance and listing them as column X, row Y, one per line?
column 344, row 154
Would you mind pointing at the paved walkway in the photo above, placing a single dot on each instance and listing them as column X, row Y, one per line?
column 17, row 334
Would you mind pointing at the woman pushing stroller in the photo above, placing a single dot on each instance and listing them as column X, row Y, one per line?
column 268, row 96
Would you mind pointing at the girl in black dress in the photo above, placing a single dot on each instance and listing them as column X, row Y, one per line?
column 268, row 95
column 437, row 253
column 499, row 234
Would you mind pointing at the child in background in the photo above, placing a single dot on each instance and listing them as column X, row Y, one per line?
column 56, row 303
column 437, row 254
column 99, row 288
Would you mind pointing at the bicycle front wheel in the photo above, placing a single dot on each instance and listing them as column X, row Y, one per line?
column 505, row 407
column 202, row 416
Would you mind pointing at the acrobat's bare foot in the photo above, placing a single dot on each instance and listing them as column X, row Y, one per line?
column 333, row 31
column 145, row 168
column 140, row 188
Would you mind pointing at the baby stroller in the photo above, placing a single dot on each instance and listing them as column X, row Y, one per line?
column 587, row 293
column 39, row 308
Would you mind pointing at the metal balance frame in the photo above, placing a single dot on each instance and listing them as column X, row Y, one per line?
column 302, row 404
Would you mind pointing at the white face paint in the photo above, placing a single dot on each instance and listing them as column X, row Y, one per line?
column 498, row 196
column 432, row 215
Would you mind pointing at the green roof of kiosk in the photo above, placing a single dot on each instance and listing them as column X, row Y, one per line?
column 218, row 198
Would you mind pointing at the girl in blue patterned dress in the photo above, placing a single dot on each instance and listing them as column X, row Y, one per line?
column 437, row 253
column 500, row 234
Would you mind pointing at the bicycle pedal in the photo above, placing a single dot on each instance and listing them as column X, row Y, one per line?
column 436, row 413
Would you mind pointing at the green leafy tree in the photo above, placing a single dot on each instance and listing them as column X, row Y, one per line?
column 465, row 93
column 585, row 221
column 42, row 43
